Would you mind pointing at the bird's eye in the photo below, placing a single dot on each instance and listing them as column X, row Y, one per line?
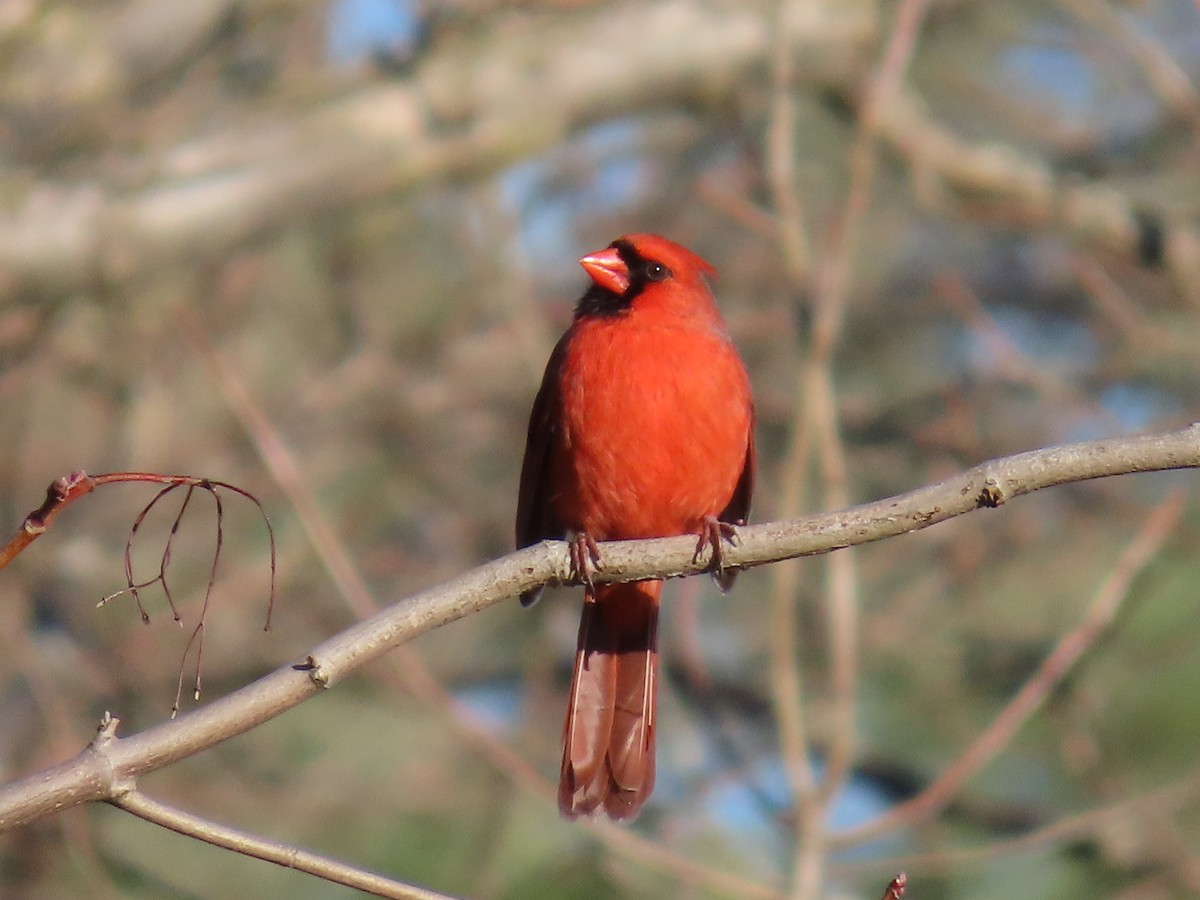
column 656, row 271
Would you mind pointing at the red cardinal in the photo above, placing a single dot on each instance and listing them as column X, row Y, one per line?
column 643, row 427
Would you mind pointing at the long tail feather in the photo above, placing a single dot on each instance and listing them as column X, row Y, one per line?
column 608, row 738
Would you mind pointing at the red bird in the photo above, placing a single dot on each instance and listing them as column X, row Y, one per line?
column 643, row 427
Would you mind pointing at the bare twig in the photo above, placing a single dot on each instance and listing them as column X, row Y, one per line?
column 781, row 155
column 815, row 423
column 64, row 491
column 1142, row 336
column 787, row 686
column 289, row 857
column 61, row 493
column 1010, row 360
column 832, row 286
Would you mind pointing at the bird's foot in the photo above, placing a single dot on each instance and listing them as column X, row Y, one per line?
column 713, row 534
column 585, row 559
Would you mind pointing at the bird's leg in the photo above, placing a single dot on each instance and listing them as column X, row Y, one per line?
column 585, row 558
column 712, row 533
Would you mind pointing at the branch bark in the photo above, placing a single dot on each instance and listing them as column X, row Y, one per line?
column 96, row 775
column 331, row 870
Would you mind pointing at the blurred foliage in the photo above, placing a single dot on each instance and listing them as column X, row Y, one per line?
column 390, row 312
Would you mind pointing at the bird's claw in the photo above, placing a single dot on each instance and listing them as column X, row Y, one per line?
column 585, row 559
column 712, row 534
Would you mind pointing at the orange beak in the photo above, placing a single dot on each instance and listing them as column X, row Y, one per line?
column 607, row 269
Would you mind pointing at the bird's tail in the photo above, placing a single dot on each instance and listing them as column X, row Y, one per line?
column 608, row 739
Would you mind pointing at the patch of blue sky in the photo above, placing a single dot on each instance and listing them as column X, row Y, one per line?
column 359, row 29
column 1050, row 70
column 1115, row 97
column 1054, row 344
column 495, row 704
column 1138, row 407
column 738, row 807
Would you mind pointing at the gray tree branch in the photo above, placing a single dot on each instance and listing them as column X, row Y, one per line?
column 190, row 825
column 103, row 773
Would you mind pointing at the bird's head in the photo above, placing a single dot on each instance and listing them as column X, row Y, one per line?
column 644, row 270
